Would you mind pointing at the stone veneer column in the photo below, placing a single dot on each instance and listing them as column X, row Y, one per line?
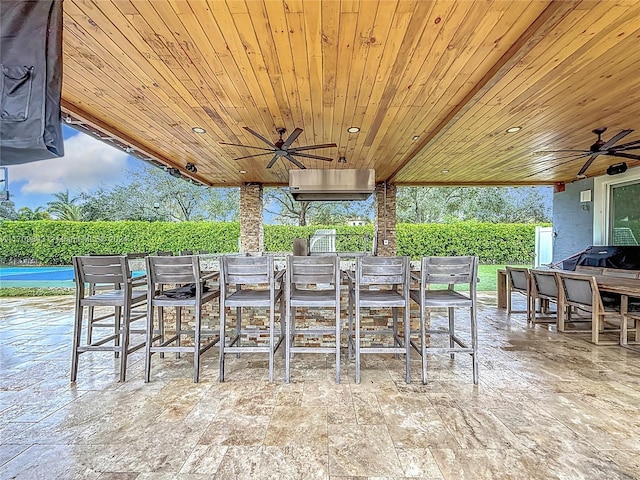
column 386, row 219
column 251, row 226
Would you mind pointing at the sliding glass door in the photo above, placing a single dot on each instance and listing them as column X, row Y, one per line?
column 624, row 214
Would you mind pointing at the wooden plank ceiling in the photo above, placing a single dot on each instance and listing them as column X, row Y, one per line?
column 432, row 85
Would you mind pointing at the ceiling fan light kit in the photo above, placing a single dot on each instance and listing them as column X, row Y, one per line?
column 283, row 148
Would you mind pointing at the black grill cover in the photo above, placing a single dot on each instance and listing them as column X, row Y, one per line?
column 30, row 80
column 625, row 257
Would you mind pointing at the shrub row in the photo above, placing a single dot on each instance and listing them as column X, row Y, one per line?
column 55, row 242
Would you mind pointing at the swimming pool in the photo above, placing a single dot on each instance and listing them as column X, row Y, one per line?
column 36, row 276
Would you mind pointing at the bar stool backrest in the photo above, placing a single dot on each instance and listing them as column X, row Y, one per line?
column 246, row 270
column 450, row 271
column 163, row 270
column 314, row 269
column 101, row 270
column 382, row 270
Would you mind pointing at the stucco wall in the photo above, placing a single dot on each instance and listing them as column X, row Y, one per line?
column 572, row 220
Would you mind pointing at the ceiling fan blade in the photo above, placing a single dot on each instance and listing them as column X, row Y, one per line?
column 625, row 155
column 627, row 146
column 295, row 162
column 312, row 147
column 292, row 138
column 615, row 138
column 552, row 166
column 317, row 157
column 251, row 156
column 273, row 160
column 256, row 134
column 587, row 164
column 246, row 146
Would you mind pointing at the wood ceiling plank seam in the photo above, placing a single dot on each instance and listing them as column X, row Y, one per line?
column 224, row 33
column 409, row 86
column 215, row 63
column 550, row 17
column 330, row 28
column 410, row 125
column 347, row 39
column 165, row 75
column 313, row 32
column 533, row 79
column 281, row 35
column 350, row 6
column 122, row 107
column 298, row 40
column 612, row 96
column 456, row 39
column 267, row 68
column 149, row 24
column 361, row 46
column 218, row 92
column 383, row 90
column 434, row 41
column 104, row 53
column 232, row 32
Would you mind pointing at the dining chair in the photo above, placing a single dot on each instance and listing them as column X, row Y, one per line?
column 581, row 291
column 106, row 281
column 379, row 282
column 518, row 281
column 450, row 272
column 250, row 282
column 312, row 282
column 544, row 291
column 177, row 281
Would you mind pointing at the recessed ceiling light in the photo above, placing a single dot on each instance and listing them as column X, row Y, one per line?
column 415, row 137
column 242, row 171
column 444, row 171
column 198, row 130
column 353, row 129
column 342, row 160
column 514, row 129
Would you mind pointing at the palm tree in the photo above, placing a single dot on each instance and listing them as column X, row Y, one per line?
column 64, row 207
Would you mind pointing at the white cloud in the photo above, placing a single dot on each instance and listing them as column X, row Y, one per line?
column 87, row 163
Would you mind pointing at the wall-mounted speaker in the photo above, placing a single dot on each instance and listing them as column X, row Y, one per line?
column 617, row 168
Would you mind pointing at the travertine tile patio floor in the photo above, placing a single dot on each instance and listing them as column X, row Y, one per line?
column 548, row 405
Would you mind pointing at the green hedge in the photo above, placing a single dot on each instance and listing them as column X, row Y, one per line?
column 55, row 242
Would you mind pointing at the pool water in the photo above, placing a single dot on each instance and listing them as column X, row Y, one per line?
column 61, row 277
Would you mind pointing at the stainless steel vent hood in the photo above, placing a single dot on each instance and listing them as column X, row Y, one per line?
column 331, row 184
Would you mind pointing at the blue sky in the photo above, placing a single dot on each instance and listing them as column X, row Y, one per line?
column 87, row 164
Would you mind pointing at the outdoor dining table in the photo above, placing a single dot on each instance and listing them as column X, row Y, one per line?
column 623, row 286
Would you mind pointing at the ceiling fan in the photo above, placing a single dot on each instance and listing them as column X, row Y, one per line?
column 602, row 147
column 282, row 148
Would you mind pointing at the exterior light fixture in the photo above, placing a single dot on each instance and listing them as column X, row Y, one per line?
column 342, row 160
column 444, row 171
column 128, row 149
column 415, row 137
column 514, row 129
column 174, row 172
column 199, row 130
column 353, row 129
column 242, row 171
column 190, row 167
column 617, row 168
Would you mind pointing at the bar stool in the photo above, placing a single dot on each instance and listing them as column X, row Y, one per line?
column 192, row 291
column 106, row 281
column 449, row 271
column 390, row 278
column 265, row 291
column 312, row 282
